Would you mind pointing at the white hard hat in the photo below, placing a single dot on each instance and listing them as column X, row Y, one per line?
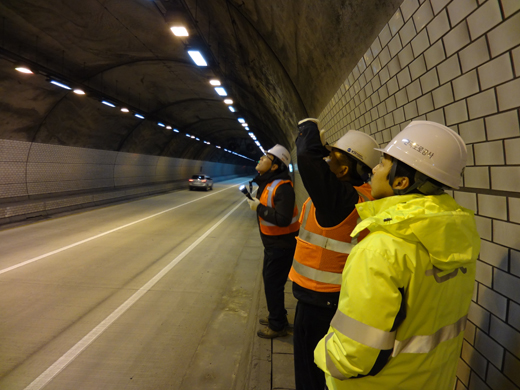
column 280, row 152
column 432, row 149
column 359, row 145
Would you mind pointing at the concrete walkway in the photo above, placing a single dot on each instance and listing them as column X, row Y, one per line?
column 272, row 363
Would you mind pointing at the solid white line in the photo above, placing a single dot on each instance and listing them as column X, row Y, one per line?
column 72, row 353
column 4, row 270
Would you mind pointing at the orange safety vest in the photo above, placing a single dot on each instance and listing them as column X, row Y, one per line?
column 321, row 253
column 267, row 199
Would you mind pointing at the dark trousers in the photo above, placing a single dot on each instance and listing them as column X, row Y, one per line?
column 277, row 264
column 311, row 323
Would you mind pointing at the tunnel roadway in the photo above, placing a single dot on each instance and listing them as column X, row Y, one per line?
column 151, row 294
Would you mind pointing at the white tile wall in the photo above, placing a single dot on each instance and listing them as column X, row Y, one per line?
column 510, row 7
column 505, row 335
column 466, row 199
column 508, row 95
column 449, row 69
column 489, row 348
column 456, row 39
column 489, row 153
column 457, row 62
column 484, row 273
column 423, row 16
column 505, row 36
column 504, row 125
column 507, row 234
column 493, row 302
column 506, row 178
column 456, row 113
column 514, row 210
column 465, row 85
column 460, row 9
column 482, row 104
column 492, row 206
column 484, row 19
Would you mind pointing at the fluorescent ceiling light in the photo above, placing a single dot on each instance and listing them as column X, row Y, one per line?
column 241, row 120
column 61, row 85
column 231, row 108
column 161, row 124
column 187, row 135
column 258, row 143
column 192, row 137
column 197, row 58
column 176, row 130
column 218, row 147
column 107, row 103
column 124, row 109
column 24, row 69
column 78, row 91
column 168, row 127
column 214, row 82
column 228, row 101
column 139, row 116
column 221, row 91
column 246, row 127
column 179, row 31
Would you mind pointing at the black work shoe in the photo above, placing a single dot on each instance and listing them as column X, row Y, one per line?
column 264, row 321
column 268, row 333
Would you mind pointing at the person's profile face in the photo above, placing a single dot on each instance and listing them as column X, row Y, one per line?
column 265, row 164
column 379, row 180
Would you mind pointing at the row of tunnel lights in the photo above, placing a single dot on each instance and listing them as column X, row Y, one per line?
column 79, row 91
column 199, row 60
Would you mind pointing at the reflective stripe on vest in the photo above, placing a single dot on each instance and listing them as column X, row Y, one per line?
column 265, row 223
column 327, row 243
column 383, row 340
column 268, row 226
column 316, row 274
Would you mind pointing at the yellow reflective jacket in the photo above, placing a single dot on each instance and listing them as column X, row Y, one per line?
column 405, row 295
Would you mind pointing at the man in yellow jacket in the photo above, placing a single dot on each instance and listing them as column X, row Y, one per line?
column 407, row 287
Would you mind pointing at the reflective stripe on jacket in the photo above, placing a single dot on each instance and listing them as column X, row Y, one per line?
column 321, row 253
column 405, row 295
column 267, row 199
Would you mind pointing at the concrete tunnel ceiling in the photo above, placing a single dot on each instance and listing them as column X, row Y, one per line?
column 279, row 61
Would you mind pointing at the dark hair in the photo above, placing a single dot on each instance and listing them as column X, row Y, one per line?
column 281, row 166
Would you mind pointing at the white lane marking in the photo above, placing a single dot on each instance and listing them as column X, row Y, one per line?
column 72, row 353
column 4, row 270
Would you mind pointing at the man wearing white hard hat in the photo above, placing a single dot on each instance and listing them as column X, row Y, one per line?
column 278, row 222
column 335, row 179
column 408, row 285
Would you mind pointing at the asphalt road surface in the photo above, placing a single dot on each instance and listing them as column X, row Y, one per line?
column 151, row 294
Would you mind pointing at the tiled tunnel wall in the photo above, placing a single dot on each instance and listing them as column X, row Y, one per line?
column 456, row 62
column 41, row 179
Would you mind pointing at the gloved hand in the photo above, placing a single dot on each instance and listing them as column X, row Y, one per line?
column 253, row 204
column 322, row 138
column 309, row 120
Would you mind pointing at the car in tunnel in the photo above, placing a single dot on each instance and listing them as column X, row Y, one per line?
column 201, row 181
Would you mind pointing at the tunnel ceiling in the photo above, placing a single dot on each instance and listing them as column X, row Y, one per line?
column 279, row 61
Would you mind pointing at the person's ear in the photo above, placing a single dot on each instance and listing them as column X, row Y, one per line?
column 343, row 171
column 274, row 167
column 401, row 183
